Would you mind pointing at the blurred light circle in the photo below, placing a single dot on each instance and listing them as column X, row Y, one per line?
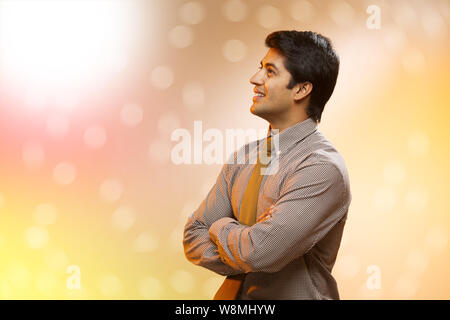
column 57, row 126
column 123, row 218
column 64, row 173
column 150, row 288
column 234, row 10
column 131, row 114
column 109, row 285
column 433, row 23
column 45, row 214
column 33, row 155
column 168, row 122
column 193, row 96
column 111, row 190
column 234, row 50
column 182, row 281
column 302, row 10
column 36, row 237
column 146, row 242
column 162, row 77
column 181, row 37
column 268, row 16
column 95, row 137
column 191, row 12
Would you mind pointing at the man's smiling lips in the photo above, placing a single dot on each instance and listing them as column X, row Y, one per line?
column 258, row 95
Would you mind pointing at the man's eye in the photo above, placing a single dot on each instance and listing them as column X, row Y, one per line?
column 269, row 71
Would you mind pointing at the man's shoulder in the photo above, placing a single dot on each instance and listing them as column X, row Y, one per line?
column 318, row 158
column 320, row 151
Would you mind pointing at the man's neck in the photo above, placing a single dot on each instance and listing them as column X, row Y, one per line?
column 282, row 125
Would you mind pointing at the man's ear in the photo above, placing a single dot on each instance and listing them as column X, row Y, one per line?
column 302, row 90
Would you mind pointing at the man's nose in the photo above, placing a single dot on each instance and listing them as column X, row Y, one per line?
column 257, row 78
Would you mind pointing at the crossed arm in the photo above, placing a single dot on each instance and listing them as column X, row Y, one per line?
column 313, row 199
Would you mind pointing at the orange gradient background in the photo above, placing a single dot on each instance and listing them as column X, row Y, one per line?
column 86, row 177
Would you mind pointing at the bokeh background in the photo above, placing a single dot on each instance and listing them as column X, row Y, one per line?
column 90, row 92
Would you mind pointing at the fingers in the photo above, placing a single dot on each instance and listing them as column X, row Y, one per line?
column 266, row 215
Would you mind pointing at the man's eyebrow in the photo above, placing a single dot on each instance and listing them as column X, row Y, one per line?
column 269, row 64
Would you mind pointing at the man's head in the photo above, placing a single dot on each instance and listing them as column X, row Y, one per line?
column 298, row 74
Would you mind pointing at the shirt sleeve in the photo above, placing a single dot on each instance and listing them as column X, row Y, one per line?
column 313, row 199
column 198, row 247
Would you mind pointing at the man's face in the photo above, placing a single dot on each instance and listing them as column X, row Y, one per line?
column 271, row 81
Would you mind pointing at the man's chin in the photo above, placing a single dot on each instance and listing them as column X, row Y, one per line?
column 256, row 110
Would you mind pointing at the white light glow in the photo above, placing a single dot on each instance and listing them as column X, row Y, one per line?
column 49, row 45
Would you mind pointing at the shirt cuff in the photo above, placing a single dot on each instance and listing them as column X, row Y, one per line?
column 217, row 226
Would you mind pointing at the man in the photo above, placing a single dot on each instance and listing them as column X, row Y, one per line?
column 277, row 236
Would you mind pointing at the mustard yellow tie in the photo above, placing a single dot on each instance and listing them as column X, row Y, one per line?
column 229, row 290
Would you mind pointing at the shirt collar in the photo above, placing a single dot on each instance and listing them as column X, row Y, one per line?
column 292, row 135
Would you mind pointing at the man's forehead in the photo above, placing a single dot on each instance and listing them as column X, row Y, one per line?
column 273, row 57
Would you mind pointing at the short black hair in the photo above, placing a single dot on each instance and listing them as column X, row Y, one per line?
column 309, row 56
